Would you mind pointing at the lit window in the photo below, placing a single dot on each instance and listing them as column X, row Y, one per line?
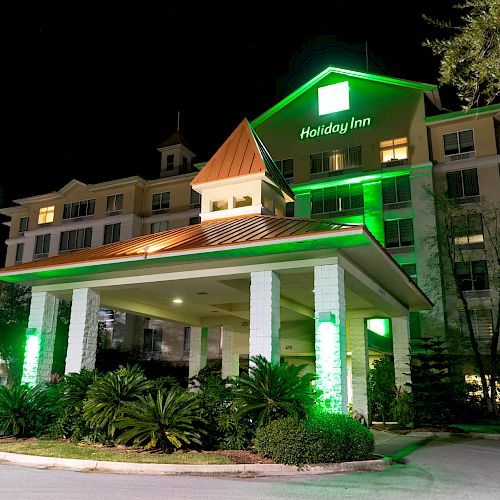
column 399, row 233
column 73, row 240
column 152, row 339
column 157, row 227
column 472, row 275
column 19, row 253
column 114, row 203
column 242, row 201
column 111, row 233
column 46, row 215
column 78, row 209
column 23, row 224
column 458, row 142
column 161, row 201
column 396, row 189
column 219, row 205
column 42, row 246
column 467, row 229
column 394, row 150
column 338, row 159
column 462, row 183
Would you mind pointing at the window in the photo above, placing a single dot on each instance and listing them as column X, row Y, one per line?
column 195, row 199
column 194, row 220
column 242, row 201
column 410, row 270
column 396, row 189
column 157, row 227
column 161, row 201
column 111, row 233
column 46, row 215
column 219, row 205
column 339, row 159
column 19, row 253
column 78, row 209
column 23, row 224
column 472, row 275
column 394, row 150
column 170, row 162
column 286, row 167
column 114, row 203
column 72, row 240
column 482, row 324
column 185, row 164
column 458, row 142
column 399, row 233
column 42, row 245
column 289, row 209
column 467, row 229
column 336, row 198
column 152, row 339
column 462, row 183
column 187, row 339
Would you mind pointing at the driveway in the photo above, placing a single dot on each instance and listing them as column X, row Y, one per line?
column 439, row 468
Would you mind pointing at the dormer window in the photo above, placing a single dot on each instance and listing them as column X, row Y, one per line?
column 242, row 201
column 218, row 205
column 46, row 215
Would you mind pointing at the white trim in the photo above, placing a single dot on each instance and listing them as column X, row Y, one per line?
column 485, row 161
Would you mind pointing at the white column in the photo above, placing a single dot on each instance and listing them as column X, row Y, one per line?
column 41, row 336
column 83, row 325
column 401, row 351
column 198, row 348
column 330, row 340
column 265, row 315
column 230, row 360
column 360, row 365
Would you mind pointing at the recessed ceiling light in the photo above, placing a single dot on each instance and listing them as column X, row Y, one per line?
column 177, row 301
column 201, row 293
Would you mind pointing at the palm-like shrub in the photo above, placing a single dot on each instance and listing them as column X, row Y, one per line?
column 74, row 387
column 107, row 396
column 22, row 409
column 269, row 392
column 166, row 421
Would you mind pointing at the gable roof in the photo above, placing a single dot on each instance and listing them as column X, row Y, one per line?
column 425, row 87
column 242, row 154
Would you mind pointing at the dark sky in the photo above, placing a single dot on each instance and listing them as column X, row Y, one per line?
column 91, row 89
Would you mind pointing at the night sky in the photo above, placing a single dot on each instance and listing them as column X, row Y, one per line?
column 91, row 89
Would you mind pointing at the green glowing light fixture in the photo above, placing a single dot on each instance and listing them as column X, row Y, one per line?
column 31, row 356
column 333, row 98
column 380, row 326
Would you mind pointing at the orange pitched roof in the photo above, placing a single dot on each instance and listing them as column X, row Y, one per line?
column 207, row 235
column 242, row 154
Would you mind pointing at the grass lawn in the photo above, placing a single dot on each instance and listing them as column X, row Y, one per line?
column 63, row 449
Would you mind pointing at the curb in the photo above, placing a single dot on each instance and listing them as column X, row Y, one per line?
column 467, row 435
column 198, row 470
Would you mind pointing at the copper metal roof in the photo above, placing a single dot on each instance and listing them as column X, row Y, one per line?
column 242, row 154
column 209, row 234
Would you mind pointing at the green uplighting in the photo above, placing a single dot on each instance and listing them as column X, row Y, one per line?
column 362, row 178
column 330, row 363
column 333, row 98
column 380, row 326
column 356, row 74
column 32, row 354
column 463, row 113
column 373, row 209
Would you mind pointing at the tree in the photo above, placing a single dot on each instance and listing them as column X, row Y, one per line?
column 470, row 58
column 381, row 388
column 466, row 237
column 14, row 312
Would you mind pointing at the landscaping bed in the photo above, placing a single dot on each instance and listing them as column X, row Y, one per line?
column 66, row 449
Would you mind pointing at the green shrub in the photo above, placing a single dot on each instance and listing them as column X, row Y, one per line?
column 402, row 409
column 324, row 438
column 273, row 391
column 23, row 410
column 166, row 421
column 381, row 389
column 107, row 396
